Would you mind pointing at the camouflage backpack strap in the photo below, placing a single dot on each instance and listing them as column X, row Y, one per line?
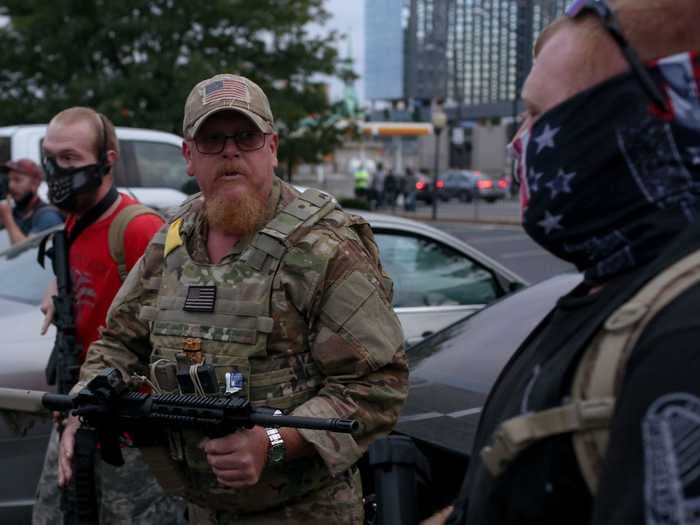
column 600, row 372
column 295, row 218
column 588, row 413
column 116, row 234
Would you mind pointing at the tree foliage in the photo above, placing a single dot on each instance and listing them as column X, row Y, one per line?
column 136, row 61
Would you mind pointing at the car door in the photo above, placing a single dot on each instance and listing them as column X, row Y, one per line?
column 434, row 283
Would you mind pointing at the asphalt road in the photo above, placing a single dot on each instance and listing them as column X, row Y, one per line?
column 494, row 229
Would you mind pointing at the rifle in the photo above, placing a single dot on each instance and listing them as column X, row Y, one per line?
column 107, row 409
column 63, row 367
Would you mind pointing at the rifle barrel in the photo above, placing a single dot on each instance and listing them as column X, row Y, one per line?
column 346, row 426
column 33, row 401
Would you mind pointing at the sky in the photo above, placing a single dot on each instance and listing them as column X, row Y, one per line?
column 348, row 17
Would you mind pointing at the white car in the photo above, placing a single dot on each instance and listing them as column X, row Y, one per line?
column 150, row 166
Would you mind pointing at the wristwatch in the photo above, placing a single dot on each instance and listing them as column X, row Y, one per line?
column 277, row 450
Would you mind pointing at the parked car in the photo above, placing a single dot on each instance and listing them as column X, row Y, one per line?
column 451, row 374
column 491, row 189
column 425, row 190
column 467, row 185
column 438, row 279
column 150, row 165
column 459, row 184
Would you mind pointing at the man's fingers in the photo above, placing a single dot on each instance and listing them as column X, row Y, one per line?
column 47, row 321
column 439, row 517
column 225, row 445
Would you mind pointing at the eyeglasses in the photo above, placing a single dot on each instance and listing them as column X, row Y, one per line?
column 214, row 143
column 612, row 26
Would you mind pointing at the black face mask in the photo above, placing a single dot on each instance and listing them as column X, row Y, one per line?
column 65, row 184
column 607, row 181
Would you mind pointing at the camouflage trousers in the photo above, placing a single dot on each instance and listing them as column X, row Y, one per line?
column 127, row 494
column 340, row 503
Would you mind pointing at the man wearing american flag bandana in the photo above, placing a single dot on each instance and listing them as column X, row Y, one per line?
column 609, row 166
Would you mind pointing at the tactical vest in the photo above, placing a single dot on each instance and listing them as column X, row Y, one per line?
column 597, row 381
column 220, row 315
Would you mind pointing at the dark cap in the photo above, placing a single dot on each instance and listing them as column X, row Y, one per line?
column 26, row 167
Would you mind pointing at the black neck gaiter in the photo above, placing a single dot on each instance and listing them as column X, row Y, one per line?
column 606, row 180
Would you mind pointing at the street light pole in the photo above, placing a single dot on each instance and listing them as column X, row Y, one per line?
column 439, row 119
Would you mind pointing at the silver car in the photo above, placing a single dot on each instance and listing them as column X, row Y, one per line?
column 438, row 280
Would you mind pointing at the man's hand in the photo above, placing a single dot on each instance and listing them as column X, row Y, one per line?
column 47, row 306
column 5, row 211
column 438, row 518
column 65, row 450
column 238, row 459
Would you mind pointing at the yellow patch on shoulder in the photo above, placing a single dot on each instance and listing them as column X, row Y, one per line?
column 173, row 239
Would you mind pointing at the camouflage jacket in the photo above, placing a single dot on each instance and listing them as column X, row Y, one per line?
column 336, row 302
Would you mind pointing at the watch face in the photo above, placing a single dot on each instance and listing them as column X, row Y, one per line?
column 276, row 453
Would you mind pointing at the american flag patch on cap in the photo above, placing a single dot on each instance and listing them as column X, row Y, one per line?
column 200, row 299
column 225, row 88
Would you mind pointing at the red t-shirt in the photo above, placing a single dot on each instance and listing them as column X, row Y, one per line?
column 94, row 273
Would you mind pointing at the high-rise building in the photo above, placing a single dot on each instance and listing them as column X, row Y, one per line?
column 473, row 53
column 489, row 51
column 384, row 50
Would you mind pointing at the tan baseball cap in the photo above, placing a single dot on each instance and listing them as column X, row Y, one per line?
column 226, row 92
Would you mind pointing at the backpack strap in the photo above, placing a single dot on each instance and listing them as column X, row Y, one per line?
column 116, row 234
column 600, row 372
column 597, row 379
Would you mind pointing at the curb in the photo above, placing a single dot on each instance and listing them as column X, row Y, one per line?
column 499, row 221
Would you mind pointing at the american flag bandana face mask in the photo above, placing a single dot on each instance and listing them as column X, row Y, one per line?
column 596, row 165
column 518, row 150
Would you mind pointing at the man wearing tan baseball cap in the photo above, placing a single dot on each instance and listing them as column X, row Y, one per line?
column 26, row 213
column 258, row 291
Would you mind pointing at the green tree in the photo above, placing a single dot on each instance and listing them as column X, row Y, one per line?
column 137, row 60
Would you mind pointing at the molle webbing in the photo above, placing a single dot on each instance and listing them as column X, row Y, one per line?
column 292, row 221
column 597, row 380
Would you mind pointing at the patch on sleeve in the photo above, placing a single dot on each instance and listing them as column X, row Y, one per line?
column 671, row 432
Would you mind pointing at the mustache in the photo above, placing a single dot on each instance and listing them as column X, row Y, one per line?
column 229, row 167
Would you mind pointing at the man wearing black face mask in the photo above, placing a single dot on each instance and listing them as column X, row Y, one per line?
column 30, row 214
column 80, row 149
column 596, row 418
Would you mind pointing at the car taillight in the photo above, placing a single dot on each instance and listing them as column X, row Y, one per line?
column 420, row 185
column 440, row 183
column 484, row 184
column 503, row 183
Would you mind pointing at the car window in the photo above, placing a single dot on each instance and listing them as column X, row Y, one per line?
column 21, row 277
column 429, row 273
column 160, row 165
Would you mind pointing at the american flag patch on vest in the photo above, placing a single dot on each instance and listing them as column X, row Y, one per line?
column 200, row 299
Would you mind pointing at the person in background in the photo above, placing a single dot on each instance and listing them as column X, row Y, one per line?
column 24, row 213
column 391, row 189
column 410, row 181
column 377, row 192
column 79, row 153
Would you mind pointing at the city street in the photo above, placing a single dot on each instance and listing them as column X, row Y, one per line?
column 494, row 229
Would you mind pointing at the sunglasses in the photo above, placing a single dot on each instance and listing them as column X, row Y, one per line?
column 612, row 26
